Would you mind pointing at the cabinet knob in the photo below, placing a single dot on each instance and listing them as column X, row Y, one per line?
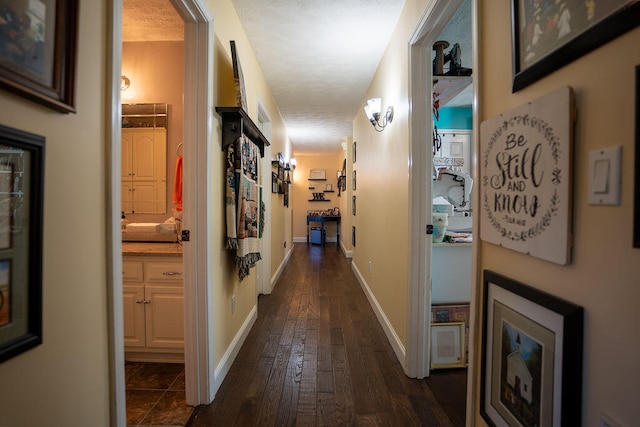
column 139, row 301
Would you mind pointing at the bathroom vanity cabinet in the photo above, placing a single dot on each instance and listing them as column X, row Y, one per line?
column 153, row 307
column 144, row 170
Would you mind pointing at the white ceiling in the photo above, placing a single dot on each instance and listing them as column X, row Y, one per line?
column 318, row 57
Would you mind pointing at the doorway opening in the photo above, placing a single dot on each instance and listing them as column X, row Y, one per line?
column 196, row 148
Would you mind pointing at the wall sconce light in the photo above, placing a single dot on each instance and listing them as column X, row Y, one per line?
column 124, row 82
column 293, row 163
column 373, row 110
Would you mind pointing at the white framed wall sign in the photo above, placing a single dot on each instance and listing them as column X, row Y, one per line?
column 526, row 177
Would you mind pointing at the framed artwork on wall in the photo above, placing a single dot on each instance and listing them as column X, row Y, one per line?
column 38, row 46
column 525, row 187
column 354, row 151
column 545, row 39
column 21, row 201
column 238, row 78
column 531, row 363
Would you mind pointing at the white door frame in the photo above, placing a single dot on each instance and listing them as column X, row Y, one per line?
column 198, row 103
column 433, row 21
column 263, row 268
column 198, row 171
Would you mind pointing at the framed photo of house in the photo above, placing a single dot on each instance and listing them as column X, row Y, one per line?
column 447, row 345
column 531, row 366
column 38, row 44
column 21, row 197
column 545, row 39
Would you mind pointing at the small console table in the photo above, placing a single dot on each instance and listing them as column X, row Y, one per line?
column 322, row 219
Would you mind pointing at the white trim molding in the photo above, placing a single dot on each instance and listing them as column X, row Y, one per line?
column 396, row 344
column 230, row 355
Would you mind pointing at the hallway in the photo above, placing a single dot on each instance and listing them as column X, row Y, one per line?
column 318, row 356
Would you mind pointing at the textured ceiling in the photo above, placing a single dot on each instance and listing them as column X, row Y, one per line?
column 150, row 20
column 318, row 57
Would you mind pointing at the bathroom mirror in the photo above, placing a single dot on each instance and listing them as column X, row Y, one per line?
column 144, row 158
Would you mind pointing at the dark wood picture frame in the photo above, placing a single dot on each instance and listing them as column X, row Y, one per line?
column 636, row 203
column 534, row 60
column 354, row 151
column 531, row 345
column 238, row 78
column 21, row 275
column 39, row 62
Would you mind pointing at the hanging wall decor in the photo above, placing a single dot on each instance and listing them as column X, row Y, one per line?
column 238, row 78
column 38, row 49
column 525, row 186
column 547, row 38
column 531, row 361
column 21, row 202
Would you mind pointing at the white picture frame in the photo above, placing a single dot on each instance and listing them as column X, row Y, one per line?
column 447, row 345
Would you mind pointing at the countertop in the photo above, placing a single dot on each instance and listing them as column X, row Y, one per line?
column 151, row 248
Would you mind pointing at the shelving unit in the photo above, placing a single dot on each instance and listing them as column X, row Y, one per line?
column 235, row 122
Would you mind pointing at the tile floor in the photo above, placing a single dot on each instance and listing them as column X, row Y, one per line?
column 155, row 394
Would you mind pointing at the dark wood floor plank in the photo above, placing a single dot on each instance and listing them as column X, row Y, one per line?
column 317, row 356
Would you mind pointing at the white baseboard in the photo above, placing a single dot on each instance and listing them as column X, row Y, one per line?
column 347, row 254
column 398, row 347
column 280, row 269
column 229, row 356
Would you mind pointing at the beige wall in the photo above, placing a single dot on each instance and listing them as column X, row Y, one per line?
column 64, row 381
column 603, row 276
column 382, row 212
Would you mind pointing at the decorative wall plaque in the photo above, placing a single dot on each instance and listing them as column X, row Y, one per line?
column 526, row 177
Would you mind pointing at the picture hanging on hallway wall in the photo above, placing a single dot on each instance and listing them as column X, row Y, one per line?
column 547, row 35
column 525, row 185
column 238, row 78
column 21, row 200
column 38, row 44
column 531, row 363
column 354, row 151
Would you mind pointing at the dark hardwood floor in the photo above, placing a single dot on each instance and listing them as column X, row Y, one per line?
column 318, row 356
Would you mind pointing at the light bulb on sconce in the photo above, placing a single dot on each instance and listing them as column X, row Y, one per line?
column 373, row 111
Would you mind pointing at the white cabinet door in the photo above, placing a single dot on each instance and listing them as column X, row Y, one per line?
column 134, row 319
column 165, row 316
column 143, row 156
column 144, row 170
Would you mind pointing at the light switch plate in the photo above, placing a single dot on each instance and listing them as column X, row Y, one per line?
column 605, row 176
